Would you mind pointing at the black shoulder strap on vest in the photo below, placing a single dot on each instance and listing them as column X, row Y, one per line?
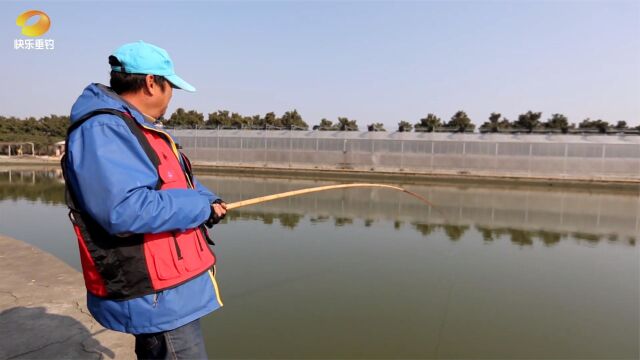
column 135, row 130
column 131, row 123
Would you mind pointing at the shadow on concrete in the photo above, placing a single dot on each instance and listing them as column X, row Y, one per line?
column 32, row 333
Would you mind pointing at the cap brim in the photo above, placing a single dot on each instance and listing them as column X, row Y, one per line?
column 179, row 83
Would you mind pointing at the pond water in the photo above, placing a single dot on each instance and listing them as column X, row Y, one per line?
column 488, row 272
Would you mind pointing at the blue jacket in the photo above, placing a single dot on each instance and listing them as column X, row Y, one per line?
column 115, row 184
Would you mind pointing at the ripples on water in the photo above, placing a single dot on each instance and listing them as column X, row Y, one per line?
column 491, row 272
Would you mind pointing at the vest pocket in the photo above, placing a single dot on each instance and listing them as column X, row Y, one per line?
column 172, row 255
column 191, row 250
column 164, row 250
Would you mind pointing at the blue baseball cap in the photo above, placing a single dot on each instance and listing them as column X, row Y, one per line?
column 143, row 58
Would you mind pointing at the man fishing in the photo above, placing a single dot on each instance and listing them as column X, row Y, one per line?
column 137, row 210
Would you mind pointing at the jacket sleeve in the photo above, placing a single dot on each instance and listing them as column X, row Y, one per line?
column 204, row 191
column 115, row 182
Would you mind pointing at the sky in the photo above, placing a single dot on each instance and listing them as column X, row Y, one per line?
column 370, row 61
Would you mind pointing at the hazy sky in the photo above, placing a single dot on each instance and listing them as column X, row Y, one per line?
column 369, row 61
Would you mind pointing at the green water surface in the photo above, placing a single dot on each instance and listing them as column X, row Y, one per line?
column 488, row 272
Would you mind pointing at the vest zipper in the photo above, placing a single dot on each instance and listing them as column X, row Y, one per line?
column 175, row 242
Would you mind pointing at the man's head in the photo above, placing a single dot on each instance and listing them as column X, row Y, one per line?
column 143, row 74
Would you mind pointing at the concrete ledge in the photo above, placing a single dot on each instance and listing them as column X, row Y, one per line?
column 408, row 177
column 420, row 178
column 43, row 313
column 29, row 160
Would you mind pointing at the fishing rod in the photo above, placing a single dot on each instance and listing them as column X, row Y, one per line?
column 262, row 199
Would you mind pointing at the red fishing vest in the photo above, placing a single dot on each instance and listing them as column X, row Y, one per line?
column 125, row 267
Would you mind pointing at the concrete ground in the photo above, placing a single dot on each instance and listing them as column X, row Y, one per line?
column 43, row 312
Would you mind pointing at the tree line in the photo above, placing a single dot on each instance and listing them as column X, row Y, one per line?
column 43, row 132
column 47, row 130
column 529, row 122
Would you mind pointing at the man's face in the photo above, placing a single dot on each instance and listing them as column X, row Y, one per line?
column 165, row 98
column 159, row 97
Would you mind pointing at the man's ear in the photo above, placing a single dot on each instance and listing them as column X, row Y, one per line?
column 150, row 87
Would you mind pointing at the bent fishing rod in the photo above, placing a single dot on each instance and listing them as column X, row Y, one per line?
column 262, row 199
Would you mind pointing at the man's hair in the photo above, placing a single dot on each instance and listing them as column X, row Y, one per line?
column 122, row 82
column 125, row 82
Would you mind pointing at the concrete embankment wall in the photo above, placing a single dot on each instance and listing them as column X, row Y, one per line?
column 572, row 157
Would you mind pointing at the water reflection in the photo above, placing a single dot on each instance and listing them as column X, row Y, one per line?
column 32, row 184
column 521, row 215
column 453, row 232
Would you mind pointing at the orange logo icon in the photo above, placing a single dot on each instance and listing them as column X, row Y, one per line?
column 39, row 28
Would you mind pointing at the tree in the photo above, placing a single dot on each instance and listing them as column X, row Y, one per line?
column 254, row 122
column 182, row 118
column 42, row 132
column 599, row 125
column 429, row 123
column 461, row 122
column 293, row 120
column 237, row 121
column 324, row 125
column 55, row 126
column 621, row 125
column 559, row 122
column 494, row 124
column 217, row 119
column 376, row 127
column 344, row 124
column 271, row 120
column 530, row 120
column 404, row 126
column 29, row 126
